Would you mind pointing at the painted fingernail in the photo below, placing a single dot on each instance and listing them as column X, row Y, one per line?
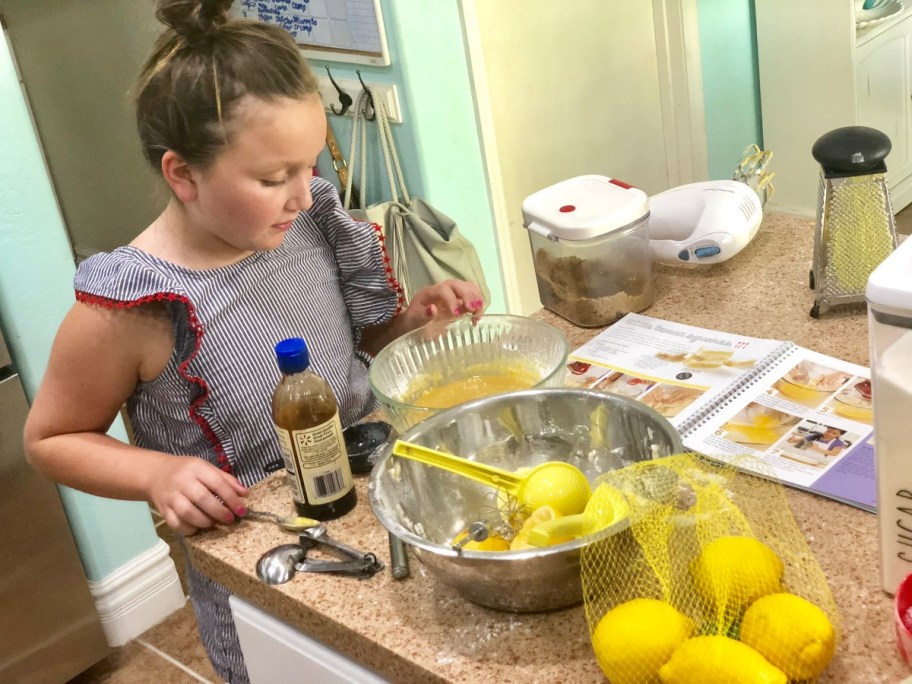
column 241, row 512
column 429, row 311
column 477, row 304
column 457, row 311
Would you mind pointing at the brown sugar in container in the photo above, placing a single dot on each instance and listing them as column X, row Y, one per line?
column 590, row 246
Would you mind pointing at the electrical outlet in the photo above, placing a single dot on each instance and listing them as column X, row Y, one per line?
column 353, row 88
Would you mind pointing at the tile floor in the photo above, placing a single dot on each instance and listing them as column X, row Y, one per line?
column 171, row 653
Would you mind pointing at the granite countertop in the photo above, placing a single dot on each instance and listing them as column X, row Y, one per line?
column 420, row 630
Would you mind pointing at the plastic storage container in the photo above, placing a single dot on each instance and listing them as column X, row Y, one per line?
column 590, row 246
column 889, row 295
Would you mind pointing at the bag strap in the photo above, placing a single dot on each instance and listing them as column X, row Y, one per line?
column 335, row 152
column 395, row 239
column 357, row 136
column 390, row 156
column 387, row 147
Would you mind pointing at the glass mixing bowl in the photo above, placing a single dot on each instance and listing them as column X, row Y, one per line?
column 531, row 352
column 856, row 408
column 804, row 394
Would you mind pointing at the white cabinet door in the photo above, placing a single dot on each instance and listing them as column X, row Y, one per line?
column 569, row 89
column 883, row 77
column 274, row 652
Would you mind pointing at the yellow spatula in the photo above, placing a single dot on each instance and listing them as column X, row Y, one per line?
column 555, row 483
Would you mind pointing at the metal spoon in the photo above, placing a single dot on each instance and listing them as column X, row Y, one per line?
column 318, row 535
column 363, row 568
column 292, row 523
column 277, row 565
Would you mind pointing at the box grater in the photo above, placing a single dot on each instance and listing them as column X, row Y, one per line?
column 855, row 229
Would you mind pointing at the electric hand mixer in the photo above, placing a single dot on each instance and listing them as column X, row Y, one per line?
column 702, row 223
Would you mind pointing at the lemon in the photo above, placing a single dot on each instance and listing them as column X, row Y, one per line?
column 718, row 659
column 538, row 516
column 492, row 543
column 792, row 633
column 636, row 638
column 732, row 572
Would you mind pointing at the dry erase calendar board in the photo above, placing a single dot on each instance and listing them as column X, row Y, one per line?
column 341, row 30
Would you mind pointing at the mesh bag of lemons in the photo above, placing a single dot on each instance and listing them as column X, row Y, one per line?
column 711, row 581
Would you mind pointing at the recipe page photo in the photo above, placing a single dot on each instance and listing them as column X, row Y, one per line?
column 808, row 420
column 676, row 369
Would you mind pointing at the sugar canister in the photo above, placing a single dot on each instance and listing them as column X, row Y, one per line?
column 889, row 295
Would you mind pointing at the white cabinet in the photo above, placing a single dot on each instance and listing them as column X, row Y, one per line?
column 884, row 86
column 818, row 72
column 274, row 652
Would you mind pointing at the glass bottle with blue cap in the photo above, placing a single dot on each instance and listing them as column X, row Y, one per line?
column 309, row 430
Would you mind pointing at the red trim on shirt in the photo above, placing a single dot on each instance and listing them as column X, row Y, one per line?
column 197, row 329
column 390, row 276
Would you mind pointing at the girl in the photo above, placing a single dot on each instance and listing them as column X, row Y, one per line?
column 180, row 324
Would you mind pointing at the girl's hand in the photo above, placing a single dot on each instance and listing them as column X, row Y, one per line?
column 192, row 494
column 443, row 301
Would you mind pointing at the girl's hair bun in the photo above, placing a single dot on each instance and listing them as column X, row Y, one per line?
column 193, row 19
column 200, row 68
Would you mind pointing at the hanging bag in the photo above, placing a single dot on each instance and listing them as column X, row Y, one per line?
column 425, row 246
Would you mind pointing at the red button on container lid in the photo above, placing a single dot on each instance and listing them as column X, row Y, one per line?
column 584, row 207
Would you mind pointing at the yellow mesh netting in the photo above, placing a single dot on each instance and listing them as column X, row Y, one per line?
column 711, row 580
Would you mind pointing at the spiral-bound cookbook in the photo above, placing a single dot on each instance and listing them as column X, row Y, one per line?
column 805, row 417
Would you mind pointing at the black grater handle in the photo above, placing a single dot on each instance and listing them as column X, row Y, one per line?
column 852, row 151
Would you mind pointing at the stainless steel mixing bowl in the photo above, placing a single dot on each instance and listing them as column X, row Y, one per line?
column 426, row 507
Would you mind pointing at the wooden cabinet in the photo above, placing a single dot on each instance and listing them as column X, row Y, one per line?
column 819, row 72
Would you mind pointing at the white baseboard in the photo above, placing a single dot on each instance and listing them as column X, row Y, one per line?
column 138, row 595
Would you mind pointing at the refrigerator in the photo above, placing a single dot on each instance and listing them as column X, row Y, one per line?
column 49, row 628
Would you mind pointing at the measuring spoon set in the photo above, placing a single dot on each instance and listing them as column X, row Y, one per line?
column 279, row 564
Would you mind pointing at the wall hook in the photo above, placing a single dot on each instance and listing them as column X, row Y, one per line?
column 370, row 98
column 344, row 98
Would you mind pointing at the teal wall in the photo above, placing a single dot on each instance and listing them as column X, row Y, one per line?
column 731, row 82
column 36, row 271
column 438, row 142
column 442, row 156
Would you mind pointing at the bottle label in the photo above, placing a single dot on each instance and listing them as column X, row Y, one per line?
column 288, row 456
column 317, row 462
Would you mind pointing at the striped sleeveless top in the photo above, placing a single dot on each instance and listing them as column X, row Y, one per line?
column 328, row 279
